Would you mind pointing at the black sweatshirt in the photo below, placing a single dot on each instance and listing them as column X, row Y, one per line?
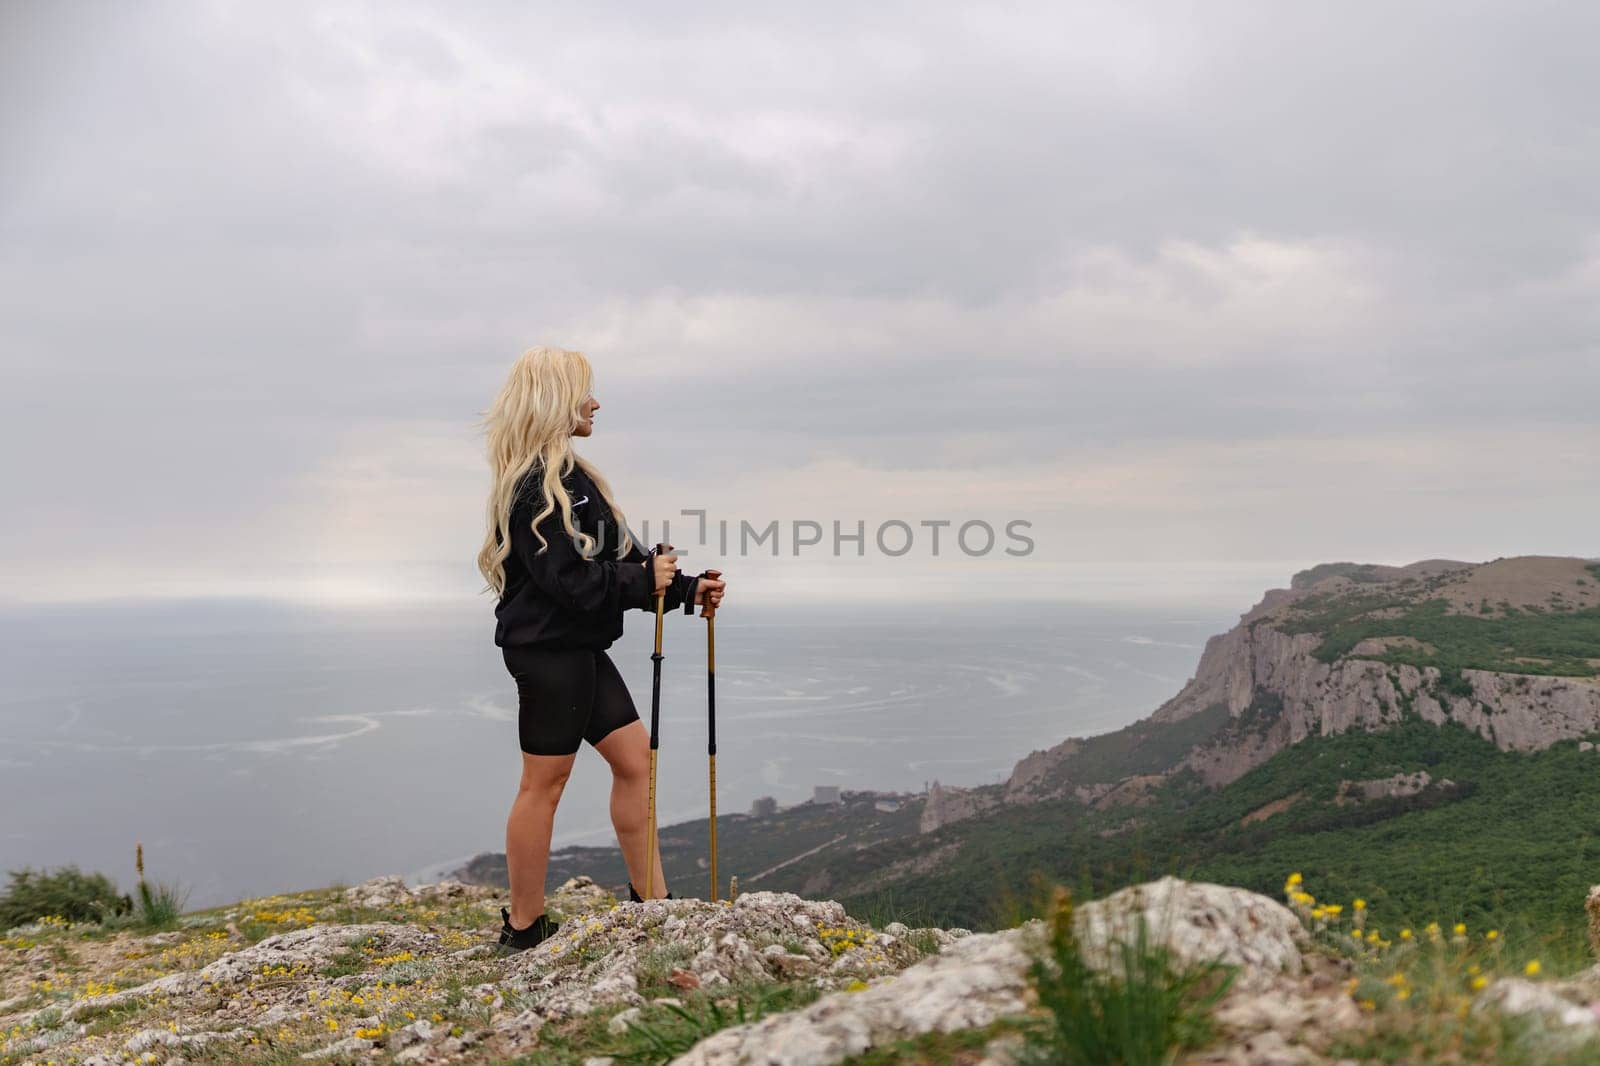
column 556, row 598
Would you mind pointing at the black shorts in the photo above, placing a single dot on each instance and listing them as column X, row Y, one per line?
column 565, row 697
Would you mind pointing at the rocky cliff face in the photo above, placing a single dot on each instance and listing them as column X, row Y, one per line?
column 1275, row 690
column 946, row 805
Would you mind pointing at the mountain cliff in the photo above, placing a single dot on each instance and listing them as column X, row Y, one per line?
column 1508, row 648
column 1439, row 720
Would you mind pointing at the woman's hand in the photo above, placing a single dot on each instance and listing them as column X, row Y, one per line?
column 666, row 565
column 709, row 589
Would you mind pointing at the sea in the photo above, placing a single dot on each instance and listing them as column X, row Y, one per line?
column 257, row 747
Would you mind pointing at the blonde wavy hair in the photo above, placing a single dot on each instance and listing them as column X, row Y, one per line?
column 532, row 421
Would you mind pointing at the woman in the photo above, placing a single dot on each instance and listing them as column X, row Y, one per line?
column 559, row 555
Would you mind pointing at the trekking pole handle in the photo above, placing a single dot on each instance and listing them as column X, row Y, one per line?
column 706, row 610
column 659, row 549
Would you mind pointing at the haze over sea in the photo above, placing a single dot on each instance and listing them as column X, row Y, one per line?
column 255, row 747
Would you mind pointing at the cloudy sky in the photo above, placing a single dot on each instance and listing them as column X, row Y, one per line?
column 1205, row 293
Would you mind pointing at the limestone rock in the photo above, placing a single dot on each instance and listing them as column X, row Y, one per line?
column 146, row 1039
column 1268, row 1048
column 946, row 805
column 971, row 984
column 1400, row 784
column 419, row 1031
column 392, row 891
column 304, row 948
column 379, row 892
column 350, row 1045
column 1550, row 1002
column 1591, row 907
column 621, row 1020
column 1199, row 922
column 579, row 895
column 601, row 958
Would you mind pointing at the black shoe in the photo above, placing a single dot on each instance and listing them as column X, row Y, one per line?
column 634, row 897
column 515, row 940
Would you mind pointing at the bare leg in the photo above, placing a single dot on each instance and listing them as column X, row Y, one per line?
column 627, row 749
column 533, row 813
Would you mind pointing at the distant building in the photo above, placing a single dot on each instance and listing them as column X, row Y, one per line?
column 825, row 794
column 887, row 805
column 763, row 807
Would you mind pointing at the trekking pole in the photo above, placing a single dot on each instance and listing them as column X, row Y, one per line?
column 655, row 727
column 709, row 613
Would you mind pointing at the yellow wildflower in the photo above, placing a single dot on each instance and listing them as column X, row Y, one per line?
column 1532, row 969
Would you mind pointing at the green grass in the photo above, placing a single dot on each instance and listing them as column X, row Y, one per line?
column 934, row 1049
column 351, row 960
column 663, row 1031
column 881, row 907
column 656, row 964
column 158, row 906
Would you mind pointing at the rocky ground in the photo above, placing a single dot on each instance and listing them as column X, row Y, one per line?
column 383, row 972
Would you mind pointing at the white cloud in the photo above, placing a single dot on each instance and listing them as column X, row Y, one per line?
column 1253, row 298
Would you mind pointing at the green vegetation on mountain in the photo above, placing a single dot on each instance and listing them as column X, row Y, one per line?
column 1361, row 573
column 1527, row 640
column 1145, row 747
column 1457, row 852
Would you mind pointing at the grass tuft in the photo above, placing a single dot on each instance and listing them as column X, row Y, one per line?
column 1146, row 1005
